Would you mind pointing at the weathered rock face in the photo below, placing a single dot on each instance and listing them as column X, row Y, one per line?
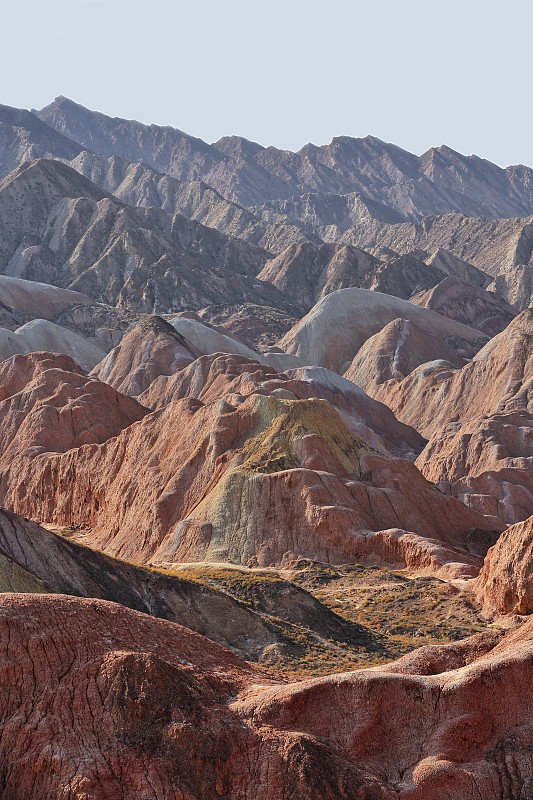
column 23, row 301
column 402, row 276
column 345, row 193
column 306, row 272
column 233, row 378
column 338, row 326
column 485, row 458
column 14, row 578
column 58, row 227
column 156, row 347
column 477, row 419
column 452, row 734
column 145, row 704
column 305, row 486
column 393, row 353
column 516, row 285
column 195, row 450
column 485, row 462
column 83, row 332
column 204, row 339
column 152, row 348
column 505, row 584
column 48, row 404
column 328, row 215
column 498, row 380
column 139, row 185
column 24, row 137
column 454, row 267
column 102, row 325
column 111, row 717
column 494, row 246
column 38, row 299
column 468, row 304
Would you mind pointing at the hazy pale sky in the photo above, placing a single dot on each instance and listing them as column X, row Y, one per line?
column 418, row 73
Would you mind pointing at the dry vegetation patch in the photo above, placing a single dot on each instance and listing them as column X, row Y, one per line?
column 408, row 611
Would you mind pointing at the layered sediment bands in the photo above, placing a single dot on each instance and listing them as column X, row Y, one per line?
column 333, row 332
column 47, row 404
column 481, row 449
column 234, row 378
column 497, row 380
column 459, row 300
column 261, row 484
column 478, row 418
column 487, row 463
column 132, row 705
column 505, row 584
column 152, row 348
column 394, row 352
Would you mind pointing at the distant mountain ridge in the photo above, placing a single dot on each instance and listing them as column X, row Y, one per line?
column 439, row 181
column 289, row 205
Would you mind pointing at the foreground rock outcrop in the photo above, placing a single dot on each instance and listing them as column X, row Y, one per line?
column 131, row 705
column 505, row 584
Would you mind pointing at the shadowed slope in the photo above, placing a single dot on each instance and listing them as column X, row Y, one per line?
column 258, row 615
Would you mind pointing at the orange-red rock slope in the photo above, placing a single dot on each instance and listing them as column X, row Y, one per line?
column 103, row 702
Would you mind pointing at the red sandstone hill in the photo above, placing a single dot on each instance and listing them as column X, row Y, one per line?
column 393, row 353
column 149, row 349
column 478, row 418
column 260, row 483
column 48, row 404
column 233, row 378
column 103, row 702
column 505, row 584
